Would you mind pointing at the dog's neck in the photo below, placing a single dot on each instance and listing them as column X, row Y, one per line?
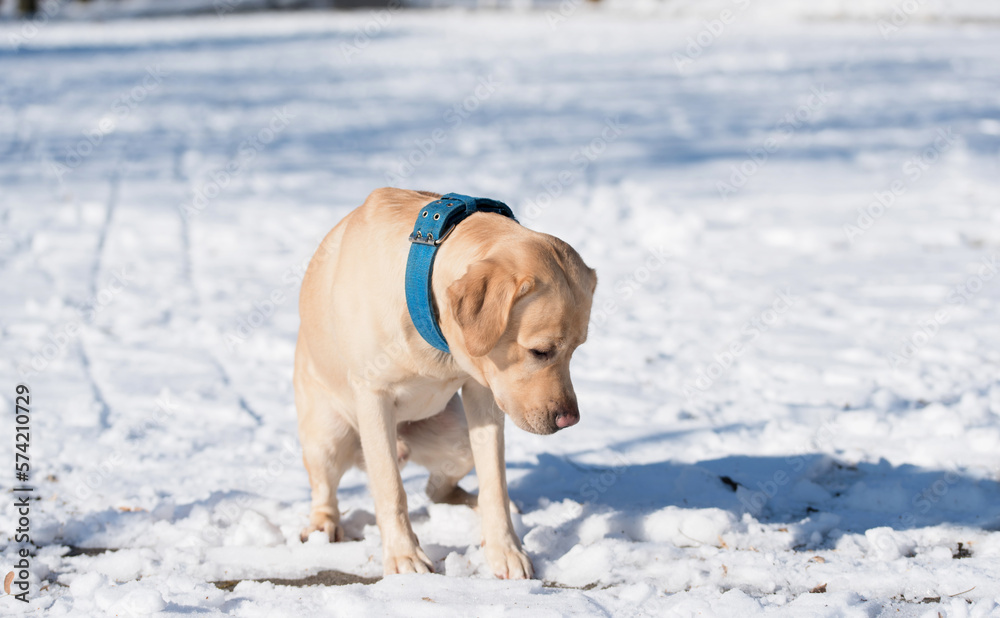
column 481, row 236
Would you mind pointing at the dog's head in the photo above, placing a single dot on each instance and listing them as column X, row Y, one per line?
column 521, row 313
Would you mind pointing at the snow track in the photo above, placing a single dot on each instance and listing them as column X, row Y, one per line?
column 791, row 382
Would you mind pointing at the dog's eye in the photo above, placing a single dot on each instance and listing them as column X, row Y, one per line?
column 542, row 354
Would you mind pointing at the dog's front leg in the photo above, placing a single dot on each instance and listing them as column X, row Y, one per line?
column 401, row 552
column 502, row 547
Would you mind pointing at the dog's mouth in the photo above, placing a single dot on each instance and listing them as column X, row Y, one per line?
column 545, row 429
column 545, row 426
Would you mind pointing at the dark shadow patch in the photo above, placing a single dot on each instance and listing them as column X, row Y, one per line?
column 822, row 494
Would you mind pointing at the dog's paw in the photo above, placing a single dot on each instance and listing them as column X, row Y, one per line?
column 415, row 562
column 334, row 531
column 508, row 561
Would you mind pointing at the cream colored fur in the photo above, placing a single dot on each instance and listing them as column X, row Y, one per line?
column 371, row 392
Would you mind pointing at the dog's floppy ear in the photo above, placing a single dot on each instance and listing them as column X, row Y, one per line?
column 481, row 302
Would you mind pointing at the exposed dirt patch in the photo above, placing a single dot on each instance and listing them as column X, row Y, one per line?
column 323, row 578
column 87, row 551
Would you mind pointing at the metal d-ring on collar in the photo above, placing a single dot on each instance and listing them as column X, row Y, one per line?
column 435, row 222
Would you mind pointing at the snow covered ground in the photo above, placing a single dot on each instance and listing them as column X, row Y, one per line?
column 936, row 11
column 790, row 394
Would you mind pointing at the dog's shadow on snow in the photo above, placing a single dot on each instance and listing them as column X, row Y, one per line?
column 776, row 489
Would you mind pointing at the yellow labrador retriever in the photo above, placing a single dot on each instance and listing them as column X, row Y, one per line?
column 512, row 305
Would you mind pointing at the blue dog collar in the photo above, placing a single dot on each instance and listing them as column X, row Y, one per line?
column 434, row 222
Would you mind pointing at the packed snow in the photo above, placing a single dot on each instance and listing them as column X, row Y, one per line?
column 790, row 396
